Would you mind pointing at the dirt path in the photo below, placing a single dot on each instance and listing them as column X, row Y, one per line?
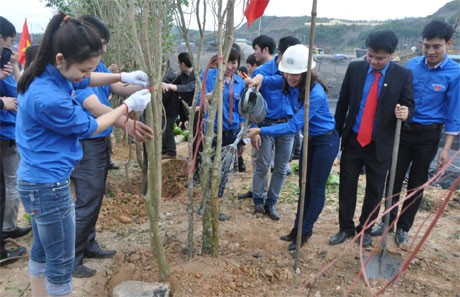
column 252, row 260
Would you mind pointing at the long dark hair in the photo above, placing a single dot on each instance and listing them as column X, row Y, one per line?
column 303, row 80
column 75, row 40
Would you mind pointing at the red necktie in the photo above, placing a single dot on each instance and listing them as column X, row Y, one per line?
column 367, row 121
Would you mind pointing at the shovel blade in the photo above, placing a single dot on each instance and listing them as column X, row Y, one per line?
column 383, row 265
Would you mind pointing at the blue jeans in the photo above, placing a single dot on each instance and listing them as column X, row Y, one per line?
column 52, row 213
column 283, row 149
column 322, row 151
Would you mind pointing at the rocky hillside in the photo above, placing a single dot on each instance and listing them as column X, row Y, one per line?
column 346, row 35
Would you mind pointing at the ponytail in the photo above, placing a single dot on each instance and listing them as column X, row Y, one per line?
column 75, row 40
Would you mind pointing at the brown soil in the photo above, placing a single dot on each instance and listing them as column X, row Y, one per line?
column 252, row 260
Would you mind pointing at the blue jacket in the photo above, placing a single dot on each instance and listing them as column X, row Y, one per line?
column 7, row 117
column 436, row 93
column 49, row 123
column 238, row 88
column 277, row 105
column 102, row 93
column 321, row 120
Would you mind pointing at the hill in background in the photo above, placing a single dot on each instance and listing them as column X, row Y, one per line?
column 337, row 35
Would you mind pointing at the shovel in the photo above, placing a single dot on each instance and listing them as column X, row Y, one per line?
column 384, row 264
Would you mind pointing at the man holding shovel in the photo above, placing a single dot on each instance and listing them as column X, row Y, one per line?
column 437, row 103
column 375, row 92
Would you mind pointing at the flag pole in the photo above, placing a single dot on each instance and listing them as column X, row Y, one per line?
column 305, row 136
column 260, row 23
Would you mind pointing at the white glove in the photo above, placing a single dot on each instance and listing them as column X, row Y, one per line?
column 138, row 101
column 136, row 78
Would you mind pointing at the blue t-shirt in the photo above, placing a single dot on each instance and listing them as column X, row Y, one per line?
column 436, row 93
column 49, row 123
column 102, row 93
column 7, row 117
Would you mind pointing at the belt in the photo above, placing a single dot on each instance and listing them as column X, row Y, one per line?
column 420, row 127
column 8, row 142
column 94, row 139
column 277, row 121
column 229, row 132
column 322, row 135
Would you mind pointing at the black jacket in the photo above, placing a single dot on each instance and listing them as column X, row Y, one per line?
column 397, row 88
column 172, row 101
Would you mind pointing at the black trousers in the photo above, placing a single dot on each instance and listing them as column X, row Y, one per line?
column 417, row 149
column 89, row 177
column 2, row 210
column 169, row 142
column 352, row 160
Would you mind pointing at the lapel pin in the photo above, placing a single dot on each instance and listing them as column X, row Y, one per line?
column 385, row 85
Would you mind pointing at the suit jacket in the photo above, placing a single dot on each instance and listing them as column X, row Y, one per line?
column 397, row 88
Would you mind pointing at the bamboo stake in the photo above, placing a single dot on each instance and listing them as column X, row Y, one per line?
column 305, row 134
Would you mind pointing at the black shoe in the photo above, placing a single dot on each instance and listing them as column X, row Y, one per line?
column 167, row 156
column 259, row 208
column 113, row 166
column 291, row 236
column 367, row 240
column 9, row 256
column 378, row 230
column 246, row 195
column 402, row 239
column 241, row 166
column 339, row 237
column 100, row 254
column 303, row 240
column 81, row 271
column 16, row 233
column 271, row 212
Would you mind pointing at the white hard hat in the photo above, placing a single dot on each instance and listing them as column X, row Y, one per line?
column 295, row 60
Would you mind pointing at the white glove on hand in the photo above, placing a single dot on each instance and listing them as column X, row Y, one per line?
column 136, row 78
column 138, row 101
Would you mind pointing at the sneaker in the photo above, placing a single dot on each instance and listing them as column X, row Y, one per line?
column 402, row 239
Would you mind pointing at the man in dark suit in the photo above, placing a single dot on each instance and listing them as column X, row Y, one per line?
column 375, row 92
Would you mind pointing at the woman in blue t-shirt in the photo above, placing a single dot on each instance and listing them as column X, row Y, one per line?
column 50, row 122
column 323, row 140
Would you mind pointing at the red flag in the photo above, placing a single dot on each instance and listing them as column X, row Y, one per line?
column 24, row 43
column 255, row 10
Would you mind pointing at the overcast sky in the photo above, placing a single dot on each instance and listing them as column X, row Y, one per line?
column 38, row 16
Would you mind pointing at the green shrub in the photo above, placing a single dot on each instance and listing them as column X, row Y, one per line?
column 185, row 134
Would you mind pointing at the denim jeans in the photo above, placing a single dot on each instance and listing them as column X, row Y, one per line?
column 10, row 161
column 52, row 213
column 283, row 149
column 321, row 155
